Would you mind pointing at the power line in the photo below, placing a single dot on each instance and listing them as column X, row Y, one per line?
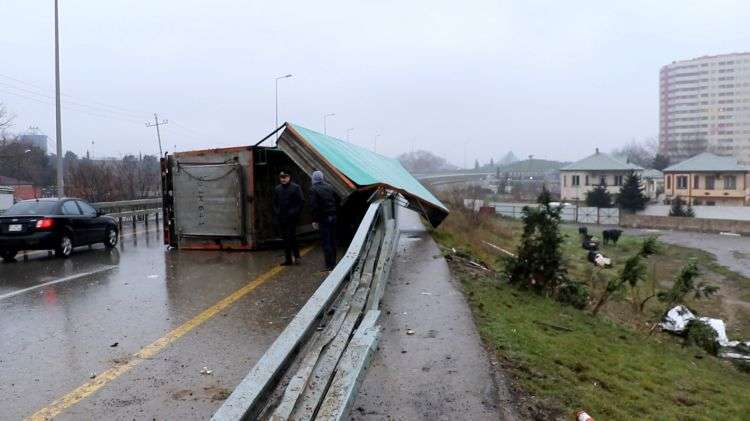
column 102, row 104
column 69, row 102
column 73, row 109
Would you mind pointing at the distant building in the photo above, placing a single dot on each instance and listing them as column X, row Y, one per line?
column 708, row 179
column 704, row 106
column 36, row 140
column 582, row 176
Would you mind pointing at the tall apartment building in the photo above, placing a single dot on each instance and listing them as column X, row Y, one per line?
column 705, row 106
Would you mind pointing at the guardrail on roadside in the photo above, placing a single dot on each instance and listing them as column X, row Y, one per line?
column 134, row 210
column 323, row 351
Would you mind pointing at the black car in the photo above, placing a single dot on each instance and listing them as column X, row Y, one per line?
column 54, row 224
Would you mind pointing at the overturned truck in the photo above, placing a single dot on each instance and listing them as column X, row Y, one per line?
column 222, row 198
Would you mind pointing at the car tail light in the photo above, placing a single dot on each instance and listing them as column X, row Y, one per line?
column 45, row 224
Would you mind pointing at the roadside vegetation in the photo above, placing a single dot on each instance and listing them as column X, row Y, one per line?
column 612, row 365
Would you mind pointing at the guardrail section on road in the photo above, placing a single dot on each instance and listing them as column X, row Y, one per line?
column 322, row 353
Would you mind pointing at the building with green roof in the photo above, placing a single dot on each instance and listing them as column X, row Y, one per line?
column 580, row 177
column 708, row 179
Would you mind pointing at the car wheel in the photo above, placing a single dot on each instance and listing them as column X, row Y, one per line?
column 64, row 246
column 110, row 238
column 8, row 255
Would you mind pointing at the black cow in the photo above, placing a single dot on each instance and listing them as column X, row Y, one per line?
column 611, row 235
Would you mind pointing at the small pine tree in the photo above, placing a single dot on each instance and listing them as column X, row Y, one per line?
column 599, row 197
column 678, row 208
column 539, row 262
column 631, row 195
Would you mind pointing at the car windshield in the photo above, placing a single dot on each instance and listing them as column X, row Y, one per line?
column 31, row 208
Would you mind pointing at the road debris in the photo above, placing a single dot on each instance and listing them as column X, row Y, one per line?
column 206, row 372
column 114, row 345
column 409, row 332
column 92, row 375
column 583, row 416
column 677, row 319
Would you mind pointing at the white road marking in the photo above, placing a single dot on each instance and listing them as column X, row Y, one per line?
column 56, row 281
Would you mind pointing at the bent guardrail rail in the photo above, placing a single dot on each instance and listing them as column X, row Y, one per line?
column 325, row 348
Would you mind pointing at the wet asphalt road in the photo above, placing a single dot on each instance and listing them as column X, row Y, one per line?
column 60, row 321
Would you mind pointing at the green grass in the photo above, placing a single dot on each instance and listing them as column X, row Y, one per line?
column 601, row 366
column 565, row 359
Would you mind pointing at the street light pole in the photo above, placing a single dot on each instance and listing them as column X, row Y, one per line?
column 276, row 86
column 325, row 129
column 58, row 121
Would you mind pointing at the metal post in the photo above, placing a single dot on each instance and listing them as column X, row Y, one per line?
column 276, row 86
column 145, row 219
column 58, row 119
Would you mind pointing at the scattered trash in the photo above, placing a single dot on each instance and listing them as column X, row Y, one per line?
column 92, row 375
column 502, row 250
column 583, row 416
column 114, row 344
column 409, row 332
column 676, row 321
column 599, row 259
column 206, row 372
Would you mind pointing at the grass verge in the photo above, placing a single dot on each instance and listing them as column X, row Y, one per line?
column 564, row 359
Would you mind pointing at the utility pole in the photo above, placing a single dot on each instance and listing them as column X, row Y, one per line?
column 58, row 121
column 156, row 124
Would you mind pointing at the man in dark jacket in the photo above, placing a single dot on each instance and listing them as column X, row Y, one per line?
column 287, row 206
column 324, row 203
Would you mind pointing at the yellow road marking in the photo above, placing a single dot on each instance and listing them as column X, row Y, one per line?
column 149, row 351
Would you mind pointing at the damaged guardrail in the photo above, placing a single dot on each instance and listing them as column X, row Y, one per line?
column 313, row 369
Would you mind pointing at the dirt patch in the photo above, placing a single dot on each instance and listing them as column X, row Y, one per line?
column 182, row 395
column 216, row 393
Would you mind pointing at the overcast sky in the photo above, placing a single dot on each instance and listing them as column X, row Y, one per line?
column 550, row 78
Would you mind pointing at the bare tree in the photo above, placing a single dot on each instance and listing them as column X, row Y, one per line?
column 6, row 120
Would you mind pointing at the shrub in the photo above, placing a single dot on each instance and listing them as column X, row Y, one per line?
column 700, row 334
column 599, row 197
column 574, row 293
column 678, row 208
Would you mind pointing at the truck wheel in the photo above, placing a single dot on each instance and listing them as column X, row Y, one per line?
column 64, row 246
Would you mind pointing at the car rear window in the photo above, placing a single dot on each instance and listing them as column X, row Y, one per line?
column 31, row 208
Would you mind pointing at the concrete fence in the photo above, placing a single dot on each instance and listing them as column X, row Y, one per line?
column 685, row 224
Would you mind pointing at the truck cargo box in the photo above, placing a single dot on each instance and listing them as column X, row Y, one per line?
column 223, row 198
